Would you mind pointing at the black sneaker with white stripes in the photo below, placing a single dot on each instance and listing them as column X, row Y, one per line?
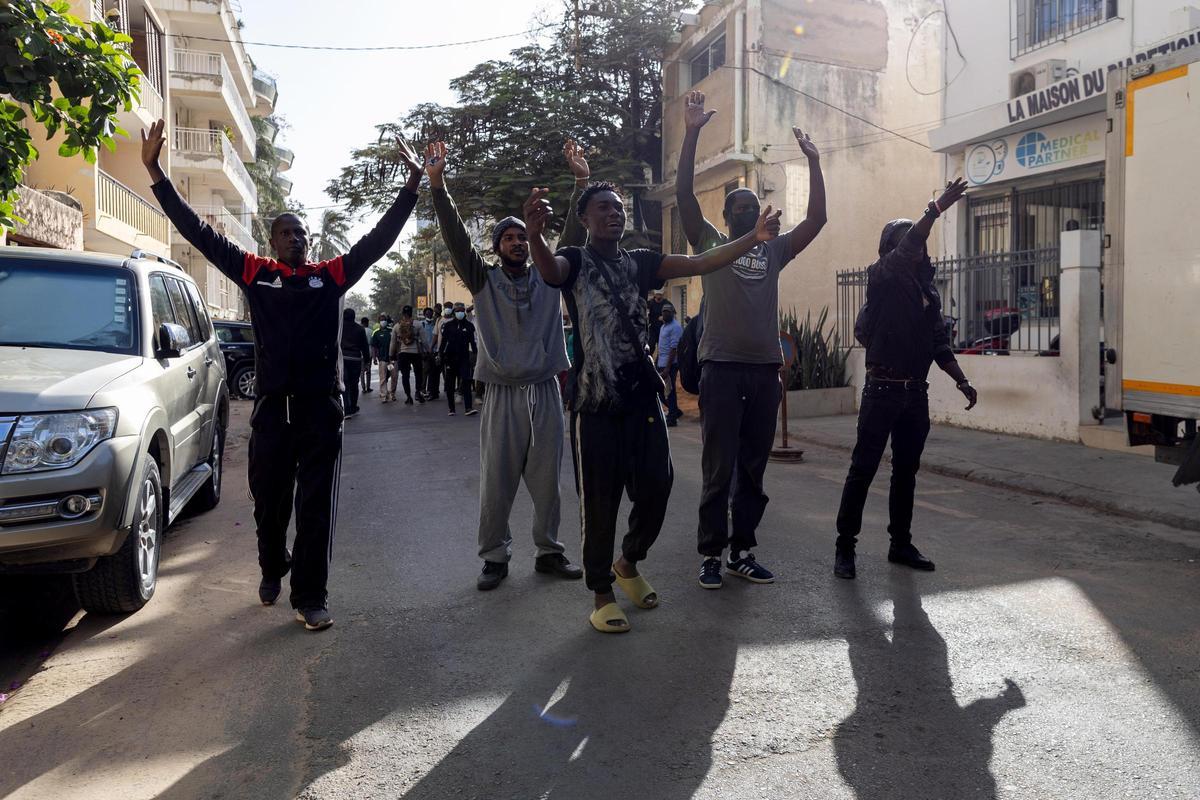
column 710, row 573
column 746, row 567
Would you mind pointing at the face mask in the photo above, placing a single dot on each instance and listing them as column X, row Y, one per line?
column 460, row 315
column 745, row 221
column 447, row 314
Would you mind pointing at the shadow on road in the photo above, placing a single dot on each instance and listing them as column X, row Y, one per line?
column 908, row 737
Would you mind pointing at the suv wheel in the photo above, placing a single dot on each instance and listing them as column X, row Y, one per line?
column 209, row 494
column 125, row 581
column 243, row 381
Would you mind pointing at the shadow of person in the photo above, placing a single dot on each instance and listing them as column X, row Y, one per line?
column 908, row 738
column 598, row 718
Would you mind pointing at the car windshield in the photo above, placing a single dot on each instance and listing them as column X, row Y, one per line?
column 69, row 306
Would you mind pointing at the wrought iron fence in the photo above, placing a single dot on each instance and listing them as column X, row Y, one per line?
column 998, row 303
column 1037, row 23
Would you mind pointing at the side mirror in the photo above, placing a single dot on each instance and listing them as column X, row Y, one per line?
column 172, row 340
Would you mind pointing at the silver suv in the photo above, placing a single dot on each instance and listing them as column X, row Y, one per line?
column 113, row 410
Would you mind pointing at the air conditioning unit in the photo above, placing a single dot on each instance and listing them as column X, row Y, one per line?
column 1036, row 76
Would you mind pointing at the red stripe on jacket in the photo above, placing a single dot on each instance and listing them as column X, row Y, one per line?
column 334, row 267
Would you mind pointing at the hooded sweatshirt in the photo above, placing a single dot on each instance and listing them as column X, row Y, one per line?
column 519, row 320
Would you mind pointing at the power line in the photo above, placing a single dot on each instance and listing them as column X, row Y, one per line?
column 379, row 48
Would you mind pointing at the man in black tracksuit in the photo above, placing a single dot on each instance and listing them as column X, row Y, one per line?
column 296, row 424
column 456, row 345
column 902, row 328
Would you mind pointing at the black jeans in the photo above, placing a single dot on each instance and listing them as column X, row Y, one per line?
column 295, row 459
column 410, row 362
column 458, row 375
column 738, row 407
column 352, row 376
column 673, row 411
column 615, row 454
column 888, row 409
column 433, row 376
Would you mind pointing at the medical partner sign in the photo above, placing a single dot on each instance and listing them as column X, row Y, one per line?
column 1065, row 144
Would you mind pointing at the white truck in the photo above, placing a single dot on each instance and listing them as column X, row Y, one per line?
column 1152, row 257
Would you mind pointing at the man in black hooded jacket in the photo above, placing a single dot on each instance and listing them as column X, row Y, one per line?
column 902, row 328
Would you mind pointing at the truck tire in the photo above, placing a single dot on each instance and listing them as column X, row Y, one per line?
column 209, row 495
column 243, row 381
column 125, row 581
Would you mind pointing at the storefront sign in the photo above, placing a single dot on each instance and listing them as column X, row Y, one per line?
column 1083, row 85
column 1065, row 144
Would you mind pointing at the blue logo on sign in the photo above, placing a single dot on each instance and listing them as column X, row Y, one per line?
column 1029, row 147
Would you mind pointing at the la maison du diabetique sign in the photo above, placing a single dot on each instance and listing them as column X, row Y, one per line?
column 1081, row 86
column 1064, row 144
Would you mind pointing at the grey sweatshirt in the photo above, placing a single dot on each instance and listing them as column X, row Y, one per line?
column 519, row 320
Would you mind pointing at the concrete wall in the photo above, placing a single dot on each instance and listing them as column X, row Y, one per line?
column 48, row 222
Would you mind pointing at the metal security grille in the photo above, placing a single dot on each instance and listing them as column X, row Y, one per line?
column 997, row 303
column 1037, row 23
column 1030, row 219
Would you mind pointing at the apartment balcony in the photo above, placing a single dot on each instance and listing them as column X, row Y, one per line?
column 124, row 220
column 229, row 225
column 286, row 157
column 52, row 219
column 265, row 93
column 207, row 156
column 271, row 129
column 284, row 184
column 216, row 20
column 203, row 83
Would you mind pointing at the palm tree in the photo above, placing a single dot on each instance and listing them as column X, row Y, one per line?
column 332, row 240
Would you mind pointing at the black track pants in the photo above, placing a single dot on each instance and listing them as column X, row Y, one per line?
column 615, row 453
column 295, row 458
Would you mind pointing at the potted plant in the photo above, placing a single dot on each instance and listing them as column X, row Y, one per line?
column 817, row 381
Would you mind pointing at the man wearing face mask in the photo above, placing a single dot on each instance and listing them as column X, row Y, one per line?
column 296, row 425
column 902, row 328
column 427, row 327
column 457, row 345
column 740, row 357
column 521, row 352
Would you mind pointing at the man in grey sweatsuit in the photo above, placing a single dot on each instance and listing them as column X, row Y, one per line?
column 521, row 353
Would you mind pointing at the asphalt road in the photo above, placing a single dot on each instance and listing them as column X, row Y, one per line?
column 1055, row 653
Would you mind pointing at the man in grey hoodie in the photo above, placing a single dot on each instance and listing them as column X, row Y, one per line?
column 521, row 352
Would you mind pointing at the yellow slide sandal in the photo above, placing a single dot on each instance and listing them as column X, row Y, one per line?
column 638, row 590
column 609, row 619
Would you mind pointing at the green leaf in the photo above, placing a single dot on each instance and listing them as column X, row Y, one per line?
column 89, row 155
column 68, row 150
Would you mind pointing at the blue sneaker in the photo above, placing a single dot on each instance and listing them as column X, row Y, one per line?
column 746, row 567
column 710, row 573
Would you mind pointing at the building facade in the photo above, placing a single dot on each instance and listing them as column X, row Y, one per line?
column 843, row 71
column 197, row 76
column 1025, row 120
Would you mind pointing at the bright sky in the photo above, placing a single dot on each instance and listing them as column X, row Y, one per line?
column 333, row 100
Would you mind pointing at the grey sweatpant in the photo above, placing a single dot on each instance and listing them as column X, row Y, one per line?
column 521, row 435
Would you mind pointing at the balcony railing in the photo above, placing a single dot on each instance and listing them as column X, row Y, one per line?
column 264, row 86
column 202, row 141
column 115, row 199
column 286, row 157
column 226, row 223
column 150, row 98
column 187, row 63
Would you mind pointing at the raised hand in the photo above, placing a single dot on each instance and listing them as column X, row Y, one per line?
column 573, row 153
column 768, row 225
column 152, row 145
column 435, row 162
column 954, row 192
column 411, row 161
column 536, row 211
column 694, row 115
column 806, row 144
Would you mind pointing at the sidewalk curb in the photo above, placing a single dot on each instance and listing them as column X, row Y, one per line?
column 1037, row 485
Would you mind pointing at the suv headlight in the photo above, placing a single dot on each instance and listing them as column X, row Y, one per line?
column 54, row 441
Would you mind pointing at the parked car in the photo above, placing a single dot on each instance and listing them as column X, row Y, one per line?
column 113, row 411
column 237, row 345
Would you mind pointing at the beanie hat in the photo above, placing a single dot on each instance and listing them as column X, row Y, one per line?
column 502, row 226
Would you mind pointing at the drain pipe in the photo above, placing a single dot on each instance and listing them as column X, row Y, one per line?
column 739, row 62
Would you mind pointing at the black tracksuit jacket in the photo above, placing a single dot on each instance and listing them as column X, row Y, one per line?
column 296, row 313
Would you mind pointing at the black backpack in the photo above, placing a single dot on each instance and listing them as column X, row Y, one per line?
column 688, row 354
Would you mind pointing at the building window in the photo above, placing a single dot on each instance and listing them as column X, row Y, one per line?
column 1038, row 23
column 710, row 58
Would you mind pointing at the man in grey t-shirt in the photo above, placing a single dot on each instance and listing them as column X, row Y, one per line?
column 739, row 355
